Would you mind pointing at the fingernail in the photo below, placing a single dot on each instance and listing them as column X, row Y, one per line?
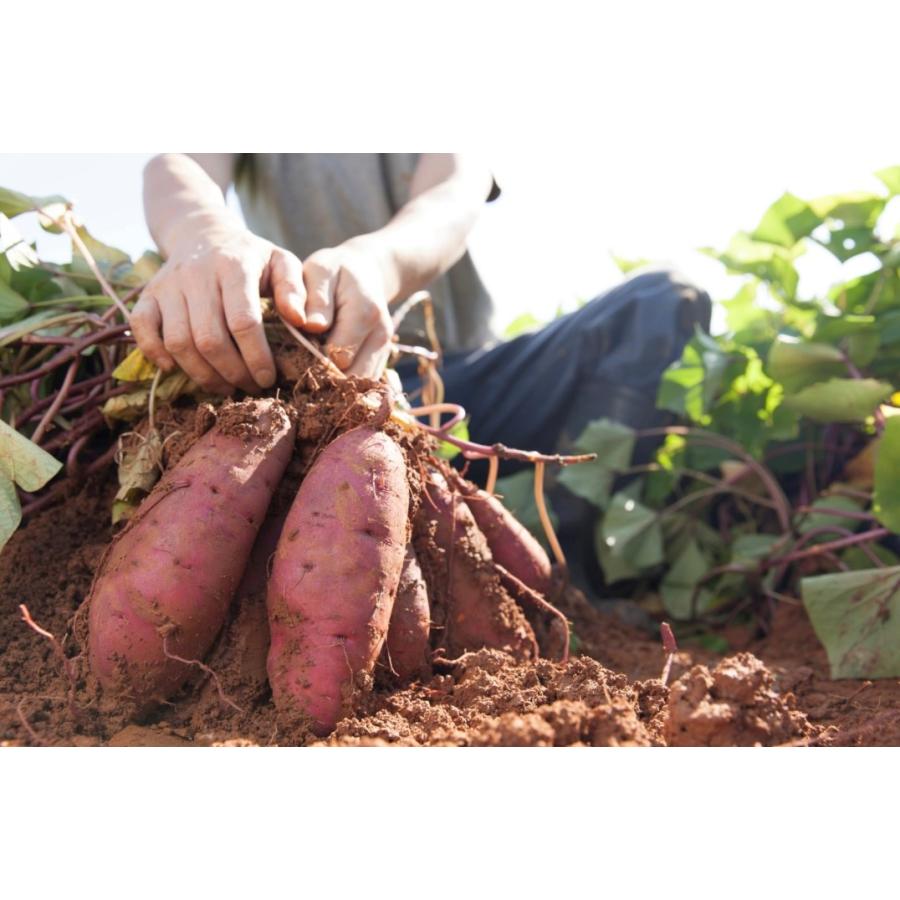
column 318, row 319
column 265, row 377
column 341, row 357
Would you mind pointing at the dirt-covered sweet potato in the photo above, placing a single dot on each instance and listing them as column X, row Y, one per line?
column 335, row 575
column 512, row 544
column 406, row 650
column 478, row 610
column 164, row 585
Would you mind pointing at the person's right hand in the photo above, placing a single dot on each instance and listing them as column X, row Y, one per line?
column 202, row 309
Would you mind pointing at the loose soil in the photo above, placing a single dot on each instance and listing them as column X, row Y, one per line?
column 773, row 690
column 769, row 690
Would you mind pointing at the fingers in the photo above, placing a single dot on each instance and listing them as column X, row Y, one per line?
column 146, row 324
column 213, row 342
column 286, row 283
column 243, row 316
column 373, row 356
column 362, row 332
column 179, row 343
column 320, row 274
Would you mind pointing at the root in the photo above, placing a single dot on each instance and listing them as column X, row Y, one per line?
column 493, row 469
column 196, row 662
column 523, row 590
column 545, row 517
column 32, row 734
column 58, row 649
column 309, row 345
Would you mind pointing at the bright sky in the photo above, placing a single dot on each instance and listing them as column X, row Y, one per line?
column 547, row 240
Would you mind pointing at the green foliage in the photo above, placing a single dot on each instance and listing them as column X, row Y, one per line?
column 613, row 443
column 517, row 492
column 460, row 430
column 45, row 300
column 840, row 399
column 856, row 616
column 744, row 498
column 24, row 464
column 887, row 475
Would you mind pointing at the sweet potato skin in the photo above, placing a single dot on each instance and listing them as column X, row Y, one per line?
column 334, row 577
column 164, row 586
column 512, row 544
column 407, row 646
column 479, row 611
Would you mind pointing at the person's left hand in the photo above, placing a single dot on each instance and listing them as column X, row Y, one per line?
column 346, row 292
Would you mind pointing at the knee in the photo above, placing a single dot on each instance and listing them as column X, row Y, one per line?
column 669, row 293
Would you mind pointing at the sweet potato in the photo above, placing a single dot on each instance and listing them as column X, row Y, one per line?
column 479, row 611
column 164, row 586
column 407, row 646
column 512, row 544
column 334, row 577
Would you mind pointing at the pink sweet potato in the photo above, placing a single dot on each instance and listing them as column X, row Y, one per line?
column 512, row 544
column 407, row 647
column 164, row 586
column 335, row 575
column 479, row 611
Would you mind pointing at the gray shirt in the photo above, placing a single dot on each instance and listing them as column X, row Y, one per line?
column 307, row 201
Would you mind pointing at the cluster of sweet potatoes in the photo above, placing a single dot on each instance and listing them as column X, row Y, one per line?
column 372, row 567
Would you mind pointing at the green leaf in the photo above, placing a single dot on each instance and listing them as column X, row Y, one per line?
column 797, row 364
column 856, row 616
column 746, row 319
column 627, row 266
column 845, row 243
column 749, row 548
column 23, row 462
column 855, row 209
column 830, row 329
column 890, row 178
column 840, row 399
column 677, row 588
column 839, row 503
column 114, row 263
column 689, row 386
column 12, row 203
column 445, row 450
column 521, row 325
column 10, row 510
column 517, row 492
column 614, row 444
column 887, row 475
column 786, row 221
column 863, row 348
column 632, row 532
column 769, row 262
column 12, row 304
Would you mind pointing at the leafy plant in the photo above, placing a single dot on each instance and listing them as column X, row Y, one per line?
column 784, row 474
column 63, row 336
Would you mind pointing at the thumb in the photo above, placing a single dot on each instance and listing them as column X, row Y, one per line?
column 286, row 282
column 320, row 273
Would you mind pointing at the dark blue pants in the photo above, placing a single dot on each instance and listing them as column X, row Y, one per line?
column 539, row 390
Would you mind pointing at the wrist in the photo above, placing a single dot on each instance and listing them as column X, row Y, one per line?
column 377, row 247
column 197, row 228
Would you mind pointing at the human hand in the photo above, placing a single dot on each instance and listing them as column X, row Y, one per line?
column 346, row 288
column 202, row 309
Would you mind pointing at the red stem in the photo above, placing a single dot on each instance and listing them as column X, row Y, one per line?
column 822, row 549
column 64, row 356
column 58, row 401
column 472, row 450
